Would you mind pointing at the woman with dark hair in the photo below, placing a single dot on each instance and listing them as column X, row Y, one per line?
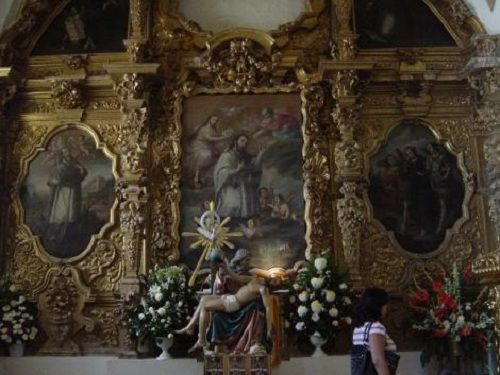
column 370, row 333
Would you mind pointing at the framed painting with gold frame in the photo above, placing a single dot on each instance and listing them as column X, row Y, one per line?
column 67, row 198
column 260, row 157
column 417, row 190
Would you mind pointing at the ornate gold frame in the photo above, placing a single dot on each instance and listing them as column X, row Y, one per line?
column 188, row 90
column 468, row 187
column 19, row 210
column 316, row 173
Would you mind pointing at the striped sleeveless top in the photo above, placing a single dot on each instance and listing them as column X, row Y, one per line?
column 377, row 328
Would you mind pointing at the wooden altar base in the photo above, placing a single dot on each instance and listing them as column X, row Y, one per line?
column 236, row 364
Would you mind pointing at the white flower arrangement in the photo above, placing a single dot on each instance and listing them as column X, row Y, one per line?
column 166, row 304
column 17, row 315
column 321, row 301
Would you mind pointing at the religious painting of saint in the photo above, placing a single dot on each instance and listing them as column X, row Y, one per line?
column 68, row 193
column 86, row 26
column 399, row 23
column 244, row 153
column 416, row 188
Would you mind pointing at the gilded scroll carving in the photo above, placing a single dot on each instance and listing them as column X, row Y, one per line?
column 76, row 62
column 485, row 45
column 61, row 300
column 459, row 11
column 317, row 174
column 132, row 217
column 67, row 94
column 242, row 63
column 352, row 218
column 28, row 269
column 106, row 333
column 348, row 152
column 492, row 157
column 378, row 257
column 104, row 262
column 132, row 140
column 130, row 87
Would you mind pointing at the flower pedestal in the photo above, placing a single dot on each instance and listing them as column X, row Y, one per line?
column 318, row 342
column 491, row 360
column 454, row 364
column 164, row 343
column 16, row 350
column 143, row 345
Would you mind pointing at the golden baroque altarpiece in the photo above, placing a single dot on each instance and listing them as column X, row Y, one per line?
column 130, row 103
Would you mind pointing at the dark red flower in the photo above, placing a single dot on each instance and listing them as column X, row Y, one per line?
column 465, row 331
column 447, row 301
column 419, row 297
column 442, row 313
column 436, row 285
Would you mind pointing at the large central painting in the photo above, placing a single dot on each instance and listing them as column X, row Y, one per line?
column 244, row 153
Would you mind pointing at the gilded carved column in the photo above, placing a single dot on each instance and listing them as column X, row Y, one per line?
column 351, row 210
column 483, row 72
column 345, row 39
column 138, row 30
column 131, row 84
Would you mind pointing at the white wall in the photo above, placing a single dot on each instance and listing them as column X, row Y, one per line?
column 225, row 14
column 490, row 20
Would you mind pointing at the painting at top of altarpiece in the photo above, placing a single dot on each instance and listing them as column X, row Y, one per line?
column 68, row 193
column 244, row 152
column 86, row 26
column 416, row 187
column 399, row 23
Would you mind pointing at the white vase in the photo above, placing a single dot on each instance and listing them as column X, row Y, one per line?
column 318, row 342
column 164, row 343
column 16, row 350
column 143, row 344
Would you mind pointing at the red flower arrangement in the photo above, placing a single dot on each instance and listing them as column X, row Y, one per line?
column 440, row 315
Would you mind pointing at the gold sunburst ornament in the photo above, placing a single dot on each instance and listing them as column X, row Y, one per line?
column 212, row 234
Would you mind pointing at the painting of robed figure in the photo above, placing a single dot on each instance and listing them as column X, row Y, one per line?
column 68, row 193
column 416, row 187
column 244, row 153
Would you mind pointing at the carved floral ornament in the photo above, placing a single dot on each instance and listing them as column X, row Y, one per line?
column 68, row 94
column 61, row 301
column 240, row 63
